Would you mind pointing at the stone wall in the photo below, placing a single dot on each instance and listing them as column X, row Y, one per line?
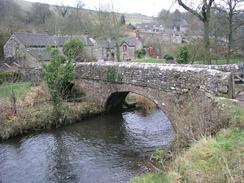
column 168, row 78
column 32, row 75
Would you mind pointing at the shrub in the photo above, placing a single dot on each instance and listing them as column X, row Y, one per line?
column 141, row 53
column 168, row 56
column 55, row 53
column 58, row 77
column 73, row 49
column 183, row 55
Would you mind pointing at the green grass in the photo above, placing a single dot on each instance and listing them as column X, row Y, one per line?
column 212, row 159
column 214, row 61
column 19, row 88
column 221, row 61
column 217, row 159
column 149, row 60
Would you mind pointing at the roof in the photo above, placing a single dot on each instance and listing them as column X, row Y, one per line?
column 41, row 53
column 130, row 41
column 106, row 43
column 43, row 40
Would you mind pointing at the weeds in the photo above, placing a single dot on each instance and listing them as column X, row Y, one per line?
column 212, row 159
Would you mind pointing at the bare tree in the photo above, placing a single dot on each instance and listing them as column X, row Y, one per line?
column 232, row 10
column 63, row 10
column 40, row 13
column 110, row 27
column 204, row 15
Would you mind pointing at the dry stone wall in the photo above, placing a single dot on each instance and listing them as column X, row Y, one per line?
column 168, row 78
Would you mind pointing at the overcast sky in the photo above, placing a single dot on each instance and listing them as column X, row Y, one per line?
column 147, row 7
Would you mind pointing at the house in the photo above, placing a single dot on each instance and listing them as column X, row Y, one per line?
column 107, row 52
column 150, row 27
column 129, row 46
column 31, row 48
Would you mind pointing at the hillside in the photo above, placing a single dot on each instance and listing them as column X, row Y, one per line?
column 23, row 16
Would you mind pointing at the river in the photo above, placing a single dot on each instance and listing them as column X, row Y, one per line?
column 103, row 149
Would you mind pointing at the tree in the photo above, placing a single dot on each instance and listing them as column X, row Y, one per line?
column 110, row 28
column 40, row 13
column 234, row 20
column 204, row 15
column 73, row 49
column 57, row 77
column 122, row 20
column 63, row 10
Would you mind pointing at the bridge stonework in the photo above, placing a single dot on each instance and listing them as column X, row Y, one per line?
column 171, row 87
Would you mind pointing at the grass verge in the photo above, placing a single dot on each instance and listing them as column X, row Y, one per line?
column 217, row 159
column 221, row 61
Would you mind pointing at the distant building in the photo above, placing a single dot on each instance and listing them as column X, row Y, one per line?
column 129, row 46
column 150, row 27
column 31, row 48
column 175, row 33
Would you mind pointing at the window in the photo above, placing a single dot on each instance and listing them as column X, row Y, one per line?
column 124, row 47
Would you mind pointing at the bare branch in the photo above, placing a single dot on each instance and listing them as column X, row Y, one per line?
column 194, row 12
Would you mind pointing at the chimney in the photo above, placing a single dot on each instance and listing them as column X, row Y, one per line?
column 137, row 34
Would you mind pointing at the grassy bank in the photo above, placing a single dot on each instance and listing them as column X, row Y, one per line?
column 41, row 117
column 141, row 102
column 35, row 111
column 20, row 89
column 211, row 159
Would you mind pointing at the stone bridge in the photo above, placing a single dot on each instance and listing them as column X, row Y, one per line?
column 171, row 87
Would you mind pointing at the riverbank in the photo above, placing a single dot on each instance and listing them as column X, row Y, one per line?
column 41, row 117
column 33, row 110
column 216, row 158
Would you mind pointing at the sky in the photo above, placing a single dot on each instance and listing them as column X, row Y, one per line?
column 146, row 7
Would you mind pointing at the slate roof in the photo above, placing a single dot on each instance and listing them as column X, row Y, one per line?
column 130, row 41
column 43, row 40
column 40, row 53
column 106, row 43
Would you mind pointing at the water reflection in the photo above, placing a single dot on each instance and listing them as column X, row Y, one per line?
column 111, row 148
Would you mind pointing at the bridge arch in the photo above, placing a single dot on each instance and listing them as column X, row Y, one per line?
column 116, row 100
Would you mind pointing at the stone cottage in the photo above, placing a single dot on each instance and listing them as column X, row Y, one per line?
column 30, row 49
column 129, row 46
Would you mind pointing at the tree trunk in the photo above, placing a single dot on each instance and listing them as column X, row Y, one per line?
column 206, row 41
column 229, row 38
column 117, row 52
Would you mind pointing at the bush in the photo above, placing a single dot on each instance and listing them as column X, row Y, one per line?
column 183, row 55
column 73, row 49
column 58, row 77
column 11, row 76
column 168, row 56
column 141, row 53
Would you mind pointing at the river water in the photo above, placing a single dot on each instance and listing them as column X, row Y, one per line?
column 103, row 149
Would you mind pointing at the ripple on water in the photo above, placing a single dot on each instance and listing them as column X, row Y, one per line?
column 110, row 148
